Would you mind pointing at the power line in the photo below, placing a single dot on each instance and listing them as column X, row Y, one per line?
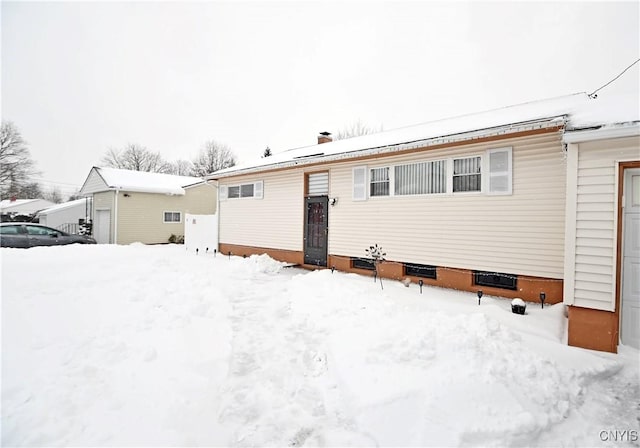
column 593, row 94
column 55, row 182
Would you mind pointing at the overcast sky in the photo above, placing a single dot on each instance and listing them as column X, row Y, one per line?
column 79, row 78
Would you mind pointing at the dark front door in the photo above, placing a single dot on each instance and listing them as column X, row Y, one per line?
column 315, row 230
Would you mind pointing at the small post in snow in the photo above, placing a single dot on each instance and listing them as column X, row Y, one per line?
column 479, row 296
column 543, row 297
column 215, row 252
column 197, row 250
column 420, row 282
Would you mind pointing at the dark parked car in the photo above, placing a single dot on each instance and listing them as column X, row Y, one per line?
column 26, row 234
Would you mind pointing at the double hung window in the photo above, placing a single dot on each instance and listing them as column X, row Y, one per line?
column 467, row 174
column 379, row 182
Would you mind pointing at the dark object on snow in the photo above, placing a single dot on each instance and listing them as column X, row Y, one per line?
column 518, row 306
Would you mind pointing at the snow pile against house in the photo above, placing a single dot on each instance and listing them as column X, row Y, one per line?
column 170, row 348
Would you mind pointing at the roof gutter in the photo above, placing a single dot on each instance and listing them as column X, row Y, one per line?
column 550, row 122
column 603, row 133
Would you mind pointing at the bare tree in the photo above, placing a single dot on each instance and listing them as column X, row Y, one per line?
column 267, row 152
column 54, row 195
column 30, row 190
column 356, row 129
column 16, row 164
column 137, row 158
column 180, row 168
column 75, row 195
column 212, row 157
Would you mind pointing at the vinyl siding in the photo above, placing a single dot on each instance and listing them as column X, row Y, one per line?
column 141, row 215
column 592, row 250
column 94, row 183
column 522, row 233
column 275, row 221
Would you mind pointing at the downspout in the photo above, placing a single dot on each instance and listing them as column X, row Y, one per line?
column 115, row 218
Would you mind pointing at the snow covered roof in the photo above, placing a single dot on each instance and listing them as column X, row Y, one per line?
column 139, row 181
column 571, row 111
column 24, row 205
column 65, row 205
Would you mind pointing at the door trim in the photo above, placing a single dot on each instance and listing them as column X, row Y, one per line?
column 622, row 166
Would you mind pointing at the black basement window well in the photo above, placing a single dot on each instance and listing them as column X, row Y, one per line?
column 362, row 263
column 420, row 270
column 496, row 280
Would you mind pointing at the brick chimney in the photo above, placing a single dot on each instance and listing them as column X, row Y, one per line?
column 324, row 137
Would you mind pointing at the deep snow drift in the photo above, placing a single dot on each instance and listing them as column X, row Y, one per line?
column 151, row 345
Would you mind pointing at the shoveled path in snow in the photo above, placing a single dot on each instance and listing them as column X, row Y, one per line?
column 278, row 391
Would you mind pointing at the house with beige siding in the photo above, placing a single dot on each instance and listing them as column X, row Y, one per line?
column 477, row 202
column 133, row 206
column 602, row 243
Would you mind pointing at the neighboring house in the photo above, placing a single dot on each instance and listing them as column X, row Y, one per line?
column 66, row 216
column 473, row 203
column 134, row 206
column 23, row 206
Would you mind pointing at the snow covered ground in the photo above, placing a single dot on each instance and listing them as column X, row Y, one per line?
column 153, row 346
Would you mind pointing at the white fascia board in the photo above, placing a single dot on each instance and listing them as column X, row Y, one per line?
column 602, row 133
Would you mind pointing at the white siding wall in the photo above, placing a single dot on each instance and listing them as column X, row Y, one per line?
column 522, row 233
column 93, row 183
column 275, row 221
column 592, row 221
column 70, row 215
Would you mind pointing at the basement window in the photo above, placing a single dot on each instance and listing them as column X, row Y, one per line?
column 496, row 280
column 420, row 270
column 363, row 263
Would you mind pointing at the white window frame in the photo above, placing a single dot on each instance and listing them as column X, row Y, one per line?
column 390, row 181
column 258, row 191
column 164, row 217
column 482, row 174
column 361, row 192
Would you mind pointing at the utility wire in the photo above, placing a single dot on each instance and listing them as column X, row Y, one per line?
column 593, row 94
